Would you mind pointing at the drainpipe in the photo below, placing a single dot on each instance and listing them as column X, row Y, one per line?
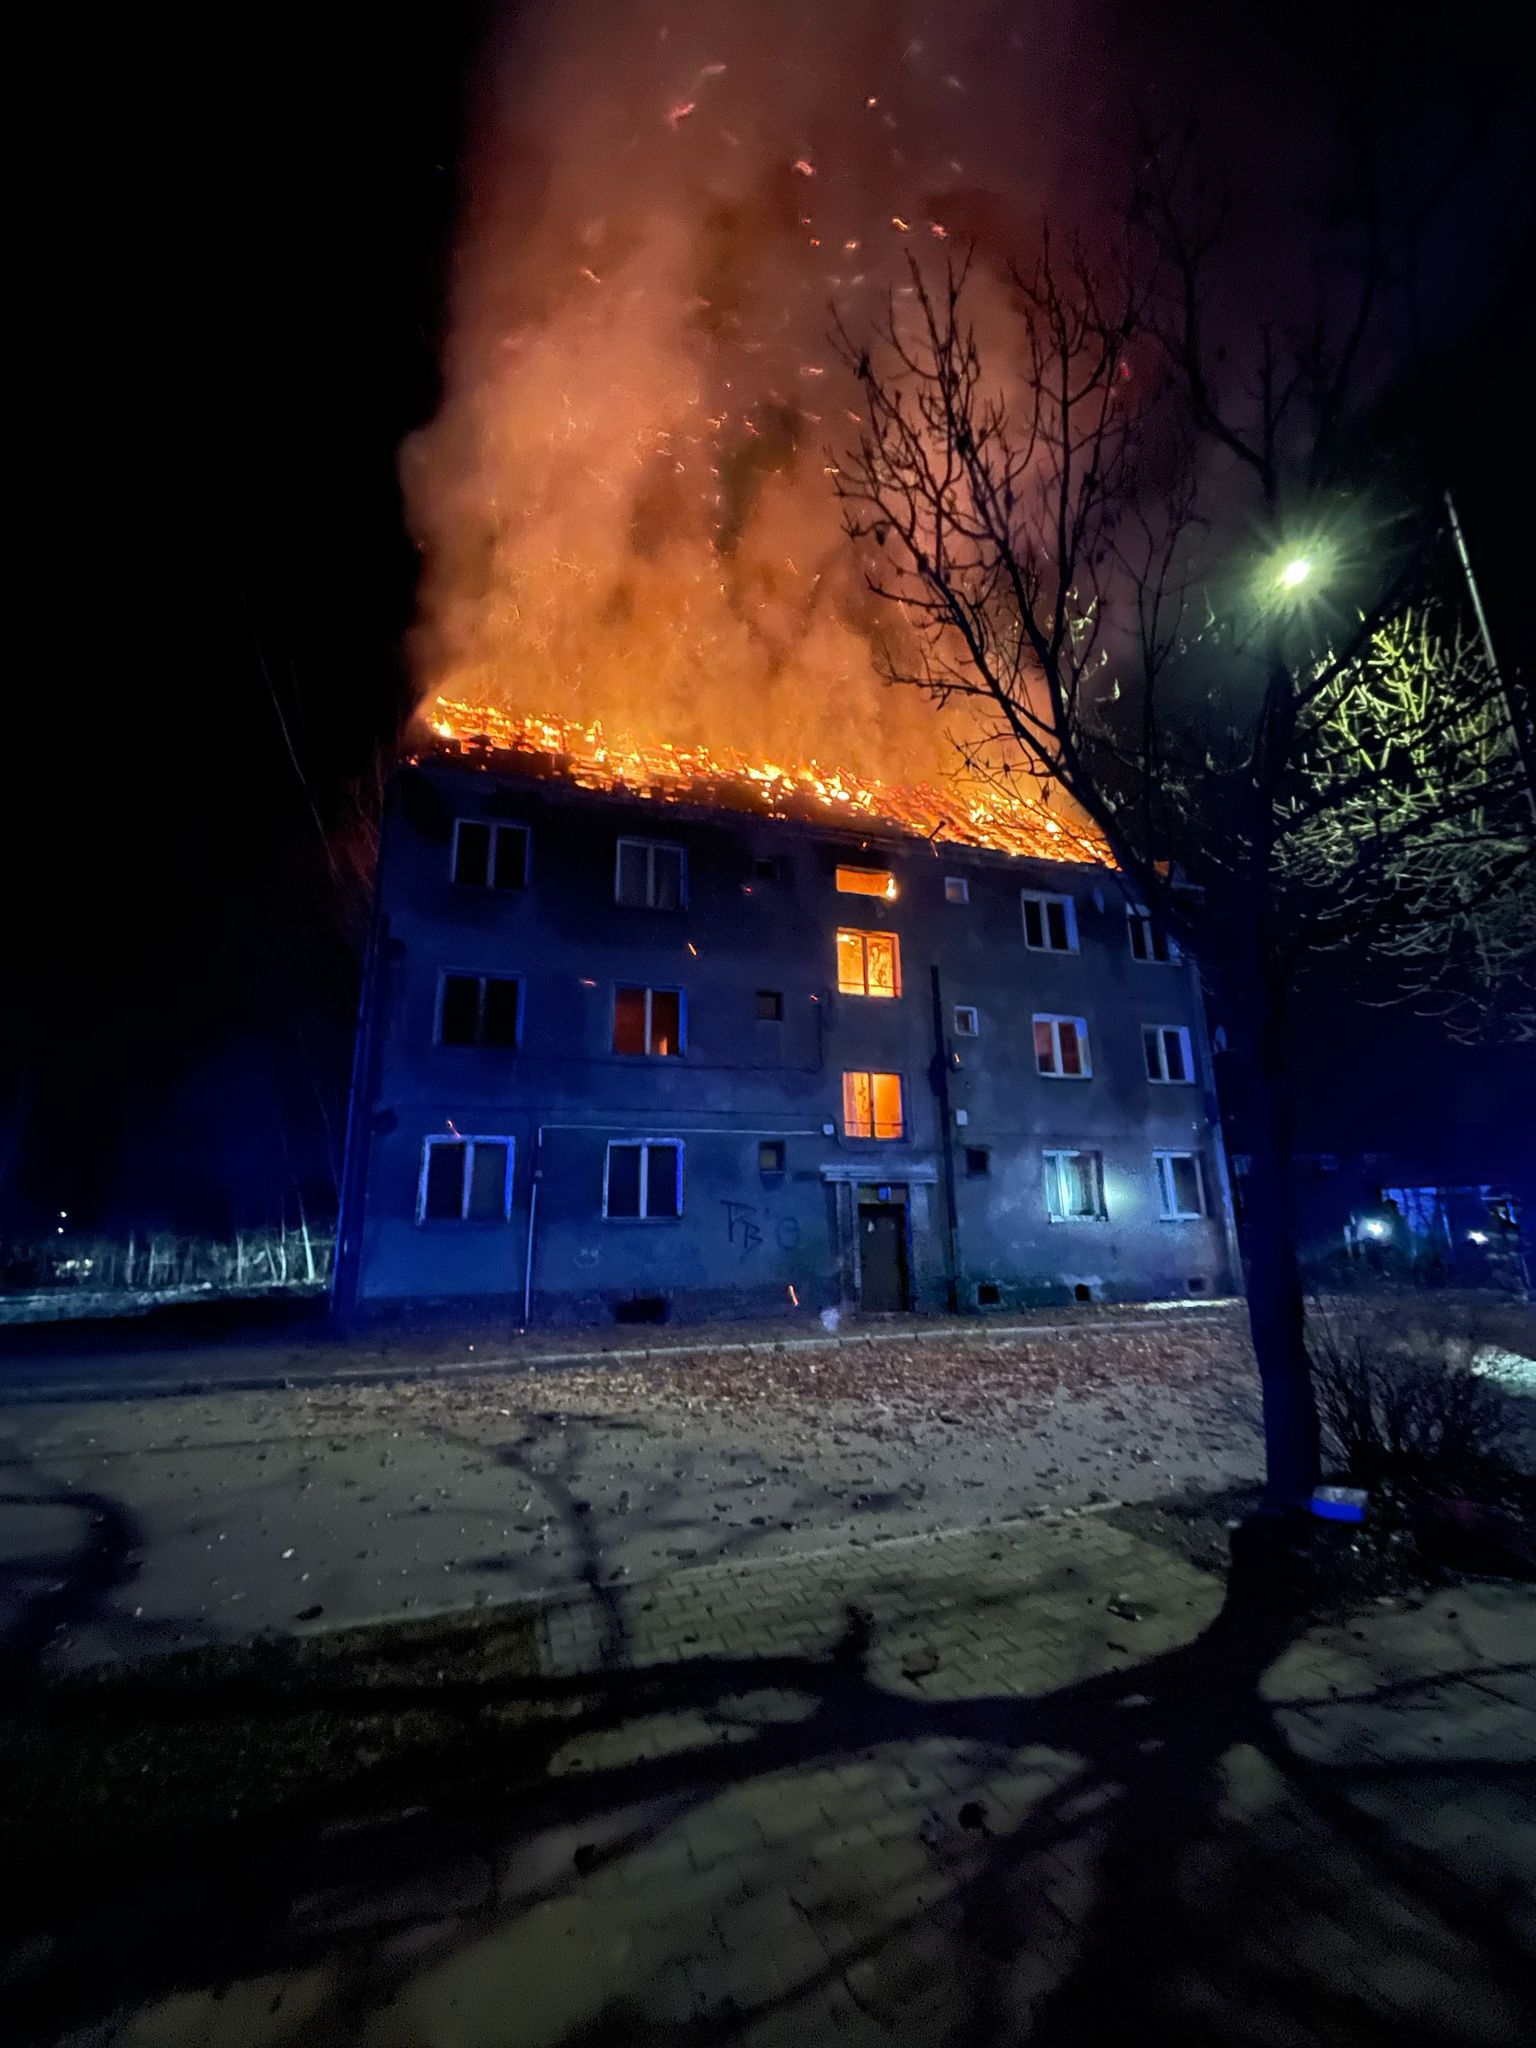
column 940, row 1073
column 533, row 1211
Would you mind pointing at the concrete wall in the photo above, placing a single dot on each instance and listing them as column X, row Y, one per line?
column 746, row 1238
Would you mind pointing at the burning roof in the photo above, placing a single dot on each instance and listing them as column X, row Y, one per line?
column 967, row 812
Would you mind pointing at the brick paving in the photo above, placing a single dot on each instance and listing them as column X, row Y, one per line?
column 1030, row 1783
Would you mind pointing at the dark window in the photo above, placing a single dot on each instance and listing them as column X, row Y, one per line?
column 978, row 1162
column 466, row 1180
column 770, row 1156
column 1166, row 1047
column 768, row 868
column 490, row 856
column 956, row 889
column 645, row 1179
column 1147, row 941
column 770, row 1005
column 988, row 1294
column 480, row 1009
column 1050, row 923
column 650, row 875
column 648, row 1020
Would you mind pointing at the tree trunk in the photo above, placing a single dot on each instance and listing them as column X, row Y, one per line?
column 1276, row 1310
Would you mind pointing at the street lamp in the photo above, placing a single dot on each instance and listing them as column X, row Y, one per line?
column 1295, row 572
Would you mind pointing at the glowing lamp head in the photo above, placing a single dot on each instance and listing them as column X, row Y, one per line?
column 1375, row 1226
column 1295, row 572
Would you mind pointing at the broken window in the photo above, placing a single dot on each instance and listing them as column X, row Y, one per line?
column 956, row 889
column 1074, row 1185
column 1061, row 1048
column 644, row 1179
column 1167, row 1051
column 867, row 882
column 868, row 963
column 967, row 1021
column 770, row 1155
column 650, row 874
column 872, row 1106
column 648, row 1021
column 1180, row 1184
column 1050, row 922
column 1148, row 941
column 770, row 1005
column 487, row 856
column 480, row 1009
column 465, row 1180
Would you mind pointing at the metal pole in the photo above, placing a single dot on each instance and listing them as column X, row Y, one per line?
column 946, row 1141
column 1518, row 724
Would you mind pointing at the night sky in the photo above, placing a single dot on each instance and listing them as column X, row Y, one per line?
column 255, row 253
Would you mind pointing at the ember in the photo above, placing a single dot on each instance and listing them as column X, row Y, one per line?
column 962, row 814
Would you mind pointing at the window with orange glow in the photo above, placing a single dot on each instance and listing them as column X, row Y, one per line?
column 872, row 1106
column 866, row 882
column 868, row 963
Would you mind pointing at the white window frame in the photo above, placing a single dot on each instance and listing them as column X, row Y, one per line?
column 871, row 1136
column 1045, row 898
column 1167, row 1195
column 495, row 826
column 652, row 848
column 469, row 1143
column 973, row 1028
column 1056, row 1210
column 645, row 1147
column 1138, row 914
column 477, row 1044
column 1057, row 1072
column 864, row 935
column 682, row 1021
column 957, row 889
column 1162, row 1078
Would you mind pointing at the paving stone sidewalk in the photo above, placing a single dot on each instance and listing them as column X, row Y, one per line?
column 1032, row 1783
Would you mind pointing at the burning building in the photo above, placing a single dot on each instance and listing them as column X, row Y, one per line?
column 645, row 1035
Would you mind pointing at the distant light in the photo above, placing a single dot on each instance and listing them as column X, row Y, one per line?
column 1374, row 1227
column 1477, row 1237
column 1295, row 572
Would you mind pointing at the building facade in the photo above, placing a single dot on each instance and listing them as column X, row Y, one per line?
column 625, row 1058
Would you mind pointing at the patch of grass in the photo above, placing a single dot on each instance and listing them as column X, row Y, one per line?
column 144, row 1763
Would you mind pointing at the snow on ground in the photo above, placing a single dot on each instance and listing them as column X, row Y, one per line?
column 129, row 1527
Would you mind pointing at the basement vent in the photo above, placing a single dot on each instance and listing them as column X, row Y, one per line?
column 641, row 1308
column 1082, row 1291
column 988, row 1294
column 1197, row 1284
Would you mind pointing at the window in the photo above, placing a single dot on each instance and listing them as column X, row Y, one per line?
column 479, row 1009
column 967, row 1022
column 956, row 889
column 644, row 1180
column 978, row 1162
column 1167, row 1051
column 767, row 867
column 1074, row 1185
column 770, row 1005
column 770, row 1155
column 1050, row 922
column 1180, row 1184
column 868, row 963
column 867, row 882
column 872, row 1106
column 490, row 856
column 648, row 1021
column 1061, row 1048
column 1147, row 941
column 465, row 1180
column 650, row 875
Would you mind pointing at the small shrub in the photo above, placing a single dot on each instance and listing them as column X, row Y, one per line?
column 1401, row 1403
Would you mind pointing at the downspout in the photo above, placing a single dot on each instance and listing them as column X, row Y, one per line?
column 940, row 1073
column 1218, row 1139
column 533, row 1211
column 354, row 1166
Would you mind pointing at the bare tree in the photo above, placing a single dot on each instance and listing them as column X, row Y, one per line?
column 1138, row 565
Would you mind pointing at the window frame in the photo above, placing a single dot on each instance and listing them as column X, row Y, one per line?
column 1138, row 916
column 885, row 875
column 1163, row 1079
column 1057, row 1072
column 469, row 1140
column 1051, row 1157
column 868, row 993
column 645, row 1146
column 957, row 889
column 874, row 1136
column 477, row 1043
column 971, row 1030
column 652, row 848
column 1162, row 1167
column 645, row 989
column 495, row 826
column 1045, row 898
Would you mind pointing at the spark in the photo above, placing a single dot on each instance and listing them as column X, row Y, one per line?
column 901, row 226
column 937, row 231
column 804, row 166
column 592, row 274
column 678, row 114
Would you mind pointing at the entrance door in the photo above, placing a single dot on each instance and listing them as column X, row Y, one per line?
column 882, row 1257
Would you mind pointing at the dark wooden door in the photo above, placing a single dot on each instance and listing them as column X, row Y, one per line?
column 882, row 1257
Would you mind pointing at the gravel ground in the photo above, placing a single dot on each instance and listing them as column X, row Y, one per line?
column 131, row 1527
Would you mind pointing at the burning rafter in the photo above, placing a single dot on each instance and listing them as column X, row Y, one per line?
column 963, row 814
